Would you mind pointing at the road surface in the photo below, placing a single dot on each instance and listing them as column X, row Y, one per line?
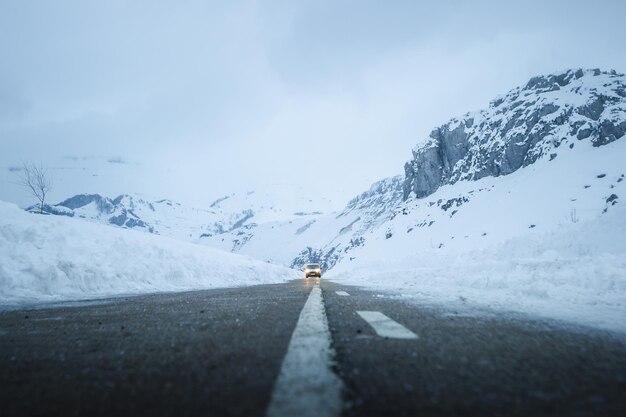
column 272, row 349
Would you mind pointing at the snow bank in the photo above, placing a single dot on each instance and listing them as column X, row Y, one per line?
column 575, row 273
column 49, row 258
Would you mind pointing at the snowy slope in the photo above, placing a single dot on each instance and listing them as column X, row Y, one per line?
column 547, row 195
column 275, row 202
column 517, row 241
column 316, row 237
column 557, row 130
column 57, row 258
column 518, row 206
column 165, row 217
column 233, row 212
column 552, row 118
column 541, row 231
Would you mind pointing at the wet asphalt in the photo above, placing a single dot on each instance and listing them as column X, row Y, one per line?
column 218, row 353
column 466, row 363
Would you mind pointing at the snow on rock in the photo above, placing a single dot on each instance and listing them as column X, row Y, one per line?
column 524, row 164
column 226, row 223
column 561, row 177
column 49, row 258
column 518, row 206
column 575, row 273
column 323, row 238
column 528, row 123
column 548, row 239
column 165, row 217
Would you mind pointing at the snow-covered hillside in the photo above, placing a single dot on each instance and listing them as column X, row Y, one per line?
column 311, row 237
column 458, row 189
column 576, row 272
column 528, row 123
column 518, row 204
column 549, row 238
column 55, row 258
column 230, row 213
column 529, row 217
column 462, row 187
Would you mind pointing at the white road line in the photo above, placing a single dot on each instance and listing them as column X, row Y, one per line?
column 341, row 293
column 385, row 327
column 306, row 386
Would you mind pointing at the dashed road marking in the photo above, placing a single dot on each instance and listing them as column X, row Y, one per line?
column 341, row 293
column 386, row 327
column 306, row 386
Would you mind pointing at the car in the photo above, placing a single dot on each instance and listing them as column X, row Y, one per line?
column 312, row 270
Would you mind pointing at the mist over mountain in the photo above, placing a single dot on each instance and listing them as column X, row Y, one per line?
column 552, row 131
column 312, row 208
column 558, row 121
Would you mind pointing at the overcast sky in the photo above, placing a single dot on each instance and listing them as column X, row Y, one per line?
column 198, row 98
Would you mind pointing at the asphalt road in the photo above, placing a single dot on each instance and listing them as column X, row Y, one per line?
column 219, row 353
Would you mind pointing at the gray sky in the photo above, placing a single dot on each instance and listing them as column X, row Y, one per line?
column 199, row 98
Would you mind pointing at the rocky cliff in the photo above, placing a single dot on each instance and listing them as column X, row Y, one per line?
column 528, row 123
column 347, row 229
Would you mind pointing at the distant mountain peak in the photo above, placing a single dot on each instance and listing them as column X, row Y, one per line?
column 553, row 82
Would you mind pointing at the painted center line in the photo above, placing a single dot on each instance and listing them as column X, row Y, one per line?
column 306, row 386
column 386, row 327
column 341, row 293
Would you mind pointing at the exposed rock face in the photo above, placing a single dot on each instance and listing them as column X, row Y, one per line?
column 130, row 220
column 526, row 124
column 164, row 216
column 104, row 204
column 327, row 258
column 381, row 196
column 362, row 214
column 118, row 212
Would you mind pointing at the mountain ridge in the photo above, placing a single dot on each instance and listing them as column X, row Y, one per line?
column 553, row 120
column 525, row 124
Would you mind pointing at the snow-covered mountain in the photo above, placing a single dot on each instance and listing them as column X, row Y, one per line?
column 518, row 206
column 517, row 129
column 540, row 156
column 131, row 212
column 231, row 213
column 543, row 155
column 57, row 258
column 315, row 237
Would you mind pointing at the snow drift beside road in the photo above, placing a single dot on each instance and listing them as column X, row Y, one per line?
column 49, row 258
column 575, row 273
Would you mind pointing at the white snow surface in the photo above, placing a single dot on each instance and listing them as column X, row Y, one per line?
column 542, row 240
column 52, row 258
column 570, row 265
column 576, row 274
column 548, row 239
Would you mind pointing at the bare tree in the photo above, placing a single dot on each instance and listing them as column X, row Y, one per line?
column 36, row 180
